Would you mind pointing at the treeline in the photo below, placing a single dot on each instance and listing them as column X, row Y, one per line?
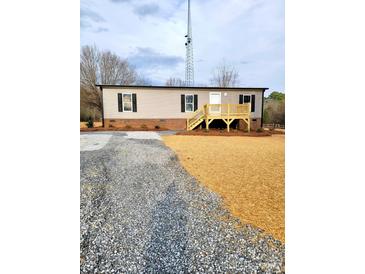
column 274, row 108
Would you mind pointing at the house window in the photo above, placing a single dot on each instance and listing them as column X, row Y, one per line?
column 127, row 102
column 246, row 99
column 189, row 103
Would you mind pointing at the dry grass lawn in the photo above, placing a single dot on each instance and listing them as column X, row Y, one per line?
column 248, row 172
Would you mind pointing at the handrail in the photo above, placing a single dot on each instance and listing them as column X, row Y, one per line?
column 197, row 115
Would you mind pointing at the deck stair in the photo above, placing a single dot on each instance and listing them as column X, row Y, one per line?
column 196, row 119
column 226, row 112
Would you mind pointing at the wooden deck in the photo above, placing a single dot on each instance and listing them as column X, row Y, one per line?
column 226, row 112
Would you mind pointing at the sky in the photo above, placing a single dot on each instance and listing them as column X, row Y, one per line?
column 150, row 34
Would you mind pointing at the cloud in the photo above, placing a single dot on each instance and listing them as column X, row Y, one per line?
column 151, row 33
column 88, row 18
column 147, row 9
column 162, row 9
column 87, row 14
column 84, row 24
column 176, row 3
column 149, row 58
column 121, row 1
column 101, row 29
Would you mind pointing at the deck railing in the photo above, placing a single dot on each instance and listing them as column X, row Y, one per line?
column 218, row 111
column 227, row 109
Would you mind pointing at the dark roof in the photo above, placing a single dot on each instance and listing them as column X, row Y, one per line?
column 176, row 87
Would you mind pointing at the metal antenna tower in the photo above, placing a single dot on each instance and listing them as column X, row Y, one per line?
column 189, row 66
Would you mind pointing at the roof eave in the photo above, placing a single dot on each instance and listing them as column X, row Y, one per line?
column 177, row 87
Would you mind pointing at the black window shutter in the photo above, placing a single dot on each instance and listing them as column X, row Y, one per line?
column 195, row 102
column 182, row 102
column 241, row 99
column 134, row 102
column 120, row 102
column 252, row 103
column 246, row 98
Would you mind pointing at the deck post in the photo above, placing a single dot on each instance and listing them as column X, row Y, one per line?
column 228, row 123
column 248, row 117
column 206, row 117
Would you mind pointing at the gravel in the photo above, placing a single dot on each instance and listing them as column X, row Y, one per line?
column 143, row 135
column 141, row 212
column 90, row 142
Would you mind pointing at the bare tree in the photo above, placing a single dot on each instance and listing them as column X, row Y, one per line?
column 225, row 76
column 177, row 82
column 142, row 81
column 103, row 67
column 114, row 70
column 90, row 95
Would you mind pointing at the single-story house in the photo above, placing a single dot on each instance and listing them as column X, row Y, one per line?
column 179, row 108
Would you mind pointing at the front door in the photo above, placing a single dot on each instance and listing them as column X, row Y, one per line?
column 215, row 99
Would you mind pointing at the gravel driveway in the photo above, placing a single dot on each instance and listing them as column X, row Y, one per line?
column 141, row 212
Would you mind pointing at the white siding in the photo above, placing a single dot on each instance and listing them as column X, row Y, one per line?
column 160, row 103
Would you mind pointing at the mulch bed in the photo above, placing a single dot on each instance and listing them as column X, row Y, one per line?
column 275, row 131
column 223, row 132
column 195, row 132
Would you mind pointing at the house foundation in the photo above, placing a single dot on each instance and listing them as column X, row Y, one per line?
column 143, row 124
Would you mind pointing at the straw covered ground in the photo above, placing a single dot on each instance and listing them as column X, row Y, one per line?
column 248, row 172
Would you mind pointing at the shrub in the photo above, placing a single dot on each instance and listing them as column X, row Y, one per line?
column 245, row 130
column 260, row 129
column 157, row 127
column 85, row 113
column 90, row 122
column 266, row 117
column 143, row 126
column 128, row 127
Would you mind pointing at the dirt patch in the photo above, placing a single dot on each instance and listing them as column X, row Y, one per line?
column 218, row 132
column 247, row 172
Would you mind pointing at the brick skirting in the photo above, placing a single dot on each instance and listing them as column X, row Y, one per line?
column 173, row 124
